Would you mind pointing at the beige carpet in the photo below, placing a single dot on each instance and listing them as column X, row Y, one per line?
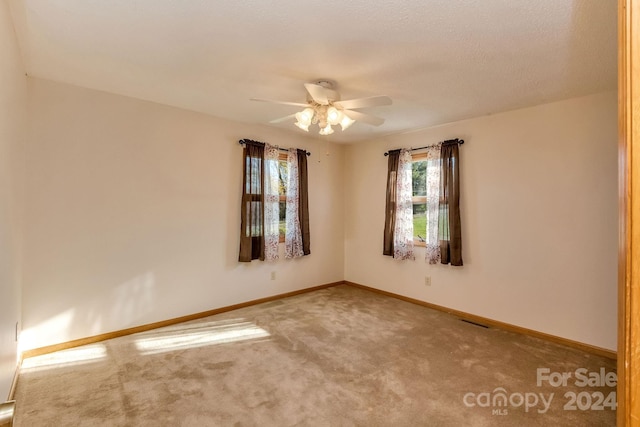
column 335, row 357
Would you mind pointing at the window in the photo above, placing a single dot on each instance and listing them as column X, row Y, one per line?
column 283, row 177
column 275, row 204
column 253, row 195
column 425, row 172
column 419, row 193
column 422, row 206
column 253, row 192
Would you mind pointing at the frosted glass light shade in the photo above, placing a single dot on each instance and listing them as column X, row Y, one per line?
column 346, row 122
column 326, row 130
column 305, row 116
column 303, row 126
column 333, row 115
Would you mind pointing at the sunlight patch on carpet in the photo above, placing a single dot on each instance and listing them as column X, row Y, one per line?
column 72, row 357
column 208, row 334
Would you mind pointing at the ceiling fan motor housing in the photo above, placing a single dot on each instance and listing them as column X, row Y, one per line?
column 329, row 89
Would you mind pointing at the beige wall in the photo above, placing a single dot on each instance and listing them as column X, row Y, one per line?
column 133, row 210
column 133, row 215
column 539, row 218
column 13, row 99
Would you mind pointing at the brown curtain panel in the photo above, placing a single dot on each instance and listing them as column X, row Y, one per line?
column 252, row 209
column 449, row 229
column 390, row 207
column 303, row 208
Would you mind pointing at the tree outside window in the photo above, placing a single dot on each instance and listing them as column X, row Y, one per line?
column 419, row 183
column 283, row 176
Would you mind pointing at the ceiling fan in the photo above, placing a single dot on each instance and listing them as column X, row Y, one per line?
column 325, row 108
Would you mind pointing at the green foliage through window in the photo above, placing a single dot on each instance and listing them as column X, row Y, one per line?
column 419, row 183
column 419, row 178
column 283, row 176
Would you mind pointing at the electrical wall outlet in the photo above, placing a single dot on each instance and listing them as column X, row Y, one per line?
column 427, row 280
column 273, row 275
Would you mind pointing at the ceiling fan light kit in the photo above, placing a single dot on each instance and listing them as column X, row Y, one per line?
column 324, row 116
column 325, row 109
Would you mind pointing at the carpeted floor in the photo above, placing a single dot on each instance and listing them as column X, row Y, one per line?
column 336, row 357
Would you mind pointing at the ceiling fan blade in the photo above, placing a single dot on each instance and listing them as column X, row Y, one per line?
column 366, row 118
column 317, row 92
column 283, row 119
column 372, row 101
column 295, row 104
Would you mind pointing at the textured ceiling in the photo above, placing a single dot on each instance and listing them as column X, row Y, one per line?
column 439, row 60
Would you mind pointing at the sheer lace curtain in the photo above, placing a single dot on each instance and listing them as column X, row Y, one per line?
column 398, row 221
column 293, row 236
column 403, row 229
column 271, row 202
column 432, row 254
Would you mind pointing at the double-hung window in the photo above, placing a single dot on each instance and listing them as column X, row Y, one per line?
column 423, row 203
column 275, row 204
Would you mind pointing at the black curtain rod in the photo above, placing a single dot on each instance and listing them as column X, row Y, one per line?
column 243, row 141
column 459, row 141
